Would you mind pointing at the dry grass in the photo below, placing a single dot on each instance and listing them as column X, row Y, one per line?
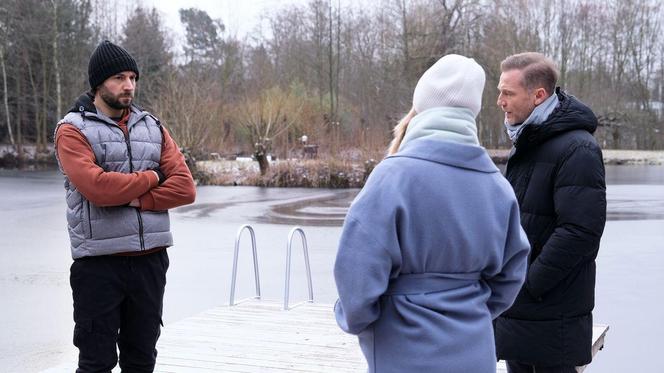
column 611, row 156
column 329, row 173
column 316, row 173
column 352, row 172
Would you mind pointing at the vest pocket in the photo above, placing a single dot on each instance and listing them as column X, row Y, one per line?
column 87, row 223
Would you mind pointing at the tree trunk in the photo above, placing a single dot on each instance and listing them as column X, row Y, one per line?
column 338, row 61
column 56, row 63
column 405, row 38
column 19, row 115
column 6, row 95
column 35, row 100
column 330, row 60
column 260, row 153
column 42, row 139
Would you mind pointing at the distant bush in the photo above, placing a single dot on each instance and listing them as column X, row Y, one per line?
column 318, row 173
column 347, row 169
column 28, row 159
column 314, row 173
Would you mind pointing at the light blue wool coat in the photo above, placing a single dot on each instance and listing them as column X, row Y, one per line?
column 431, row 251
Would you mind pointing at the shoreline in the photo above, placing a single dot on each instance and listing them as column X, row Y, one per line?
column 330, row 173
column 633, row 157
column 308, row 173
column 611, row 157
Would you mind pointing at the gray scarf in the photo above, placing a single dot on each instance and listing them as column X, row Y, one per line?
column 538, row 116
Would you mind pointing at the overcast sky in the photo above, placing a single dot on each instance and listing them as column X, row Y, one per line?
column 239, row 16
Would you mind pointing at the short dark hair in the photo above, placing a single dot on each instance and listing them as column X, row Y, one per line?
column 538, row 70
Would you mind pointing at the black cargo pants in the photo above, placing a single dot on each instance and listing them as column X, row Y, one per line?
column 118, row 301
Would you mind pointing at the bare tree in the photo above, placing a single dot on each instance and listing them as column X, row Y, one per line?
column 5, row 90
column 265, row 117
column 351, row 70
column 145, row 38
column 187, row 109
column 56, row 62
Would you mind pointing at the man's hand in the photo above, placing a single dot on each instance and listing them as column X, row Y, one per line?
column 157, row 175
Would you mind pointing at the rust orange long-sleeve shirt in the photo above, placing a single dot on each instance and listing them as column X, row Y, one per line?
column 115, row 188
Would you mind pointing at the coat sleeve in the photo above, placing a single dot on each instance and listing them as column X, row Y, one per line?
column 369, row 252
column 96, row 185
column 361, row 272
column 506, row 285
column 580, row 205
column 178, row 189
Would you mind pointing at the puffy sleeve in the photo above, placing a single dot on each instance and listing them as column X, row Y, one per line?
column 179, row 188
column 580, row 206
column 96, row 185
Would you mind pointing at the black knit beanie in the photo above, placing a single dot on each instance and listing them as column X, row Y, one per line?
column 107, row 60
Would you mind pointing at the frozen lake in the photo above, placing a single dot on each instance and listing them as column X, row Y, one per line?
column 36, row 312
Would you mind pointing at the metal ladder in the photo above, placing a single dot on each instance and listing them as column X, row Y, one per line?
column 305, row 252
column 235, row 257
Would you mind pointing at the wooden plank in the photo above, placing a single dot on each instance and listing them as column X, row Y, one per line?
column 599, row 333
column 258, row 336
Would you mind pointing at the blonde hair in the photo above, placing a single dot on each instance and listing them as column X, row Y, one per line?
column 399, row 132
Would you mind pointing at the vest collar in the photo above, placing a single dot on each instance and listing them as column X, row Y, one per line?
column 85, row 105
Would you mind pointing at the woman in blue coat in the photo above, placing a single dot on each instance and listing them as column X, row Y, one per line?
column 432, row 248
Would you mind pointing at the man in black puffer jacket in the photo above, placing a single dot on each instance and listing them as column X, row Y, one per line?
column 557, row 173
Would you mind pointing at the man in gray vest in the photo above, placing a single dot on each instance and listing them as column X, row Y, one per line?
column 123, row 171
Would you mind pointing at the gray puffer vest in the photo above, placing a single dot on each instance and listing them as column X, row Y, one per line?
column 95, row 230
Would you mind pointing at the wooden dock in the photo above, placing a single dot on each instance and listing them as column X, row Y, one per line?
column 258, row 336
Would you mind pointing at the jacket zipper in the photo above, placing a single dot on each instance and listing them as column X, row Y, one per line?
column 138, row 212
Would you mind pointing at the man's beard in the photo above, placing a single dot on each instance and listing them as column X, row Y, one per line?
column 114, row 101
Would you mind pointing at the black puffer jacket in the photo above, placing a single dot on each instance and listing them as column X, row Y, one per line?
column 557, row 172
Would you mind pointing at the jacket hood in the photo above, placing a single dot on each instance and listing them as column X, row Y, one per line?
column 472, row 157
column 571, row 114
column 84, row 102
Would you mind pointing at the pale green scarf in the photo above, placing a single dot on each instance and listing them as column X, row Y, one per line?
column 445, row 124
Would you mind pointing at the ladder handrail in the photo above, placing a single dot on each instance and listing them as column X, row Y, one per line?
column 288, row 264
column 235, row 259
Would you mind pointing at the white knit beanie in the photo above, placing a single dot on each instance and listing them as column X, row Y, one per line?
column 453, row 80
